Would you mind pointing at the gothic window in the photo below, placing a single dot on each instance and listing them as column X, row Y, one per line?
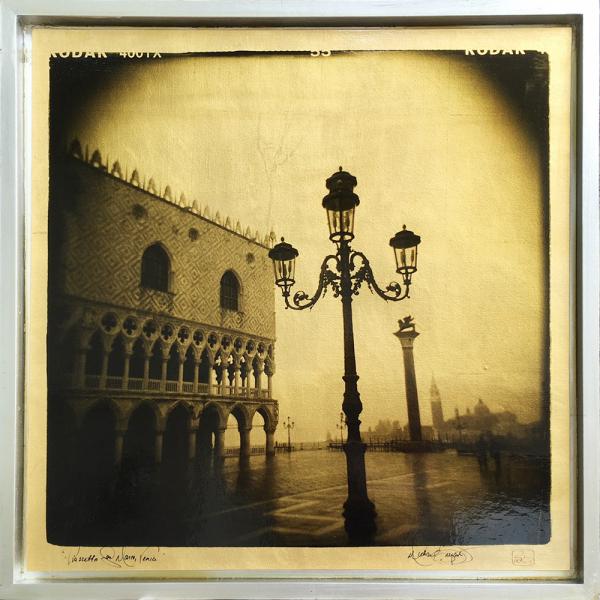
column 173, row 364
column 155, row 268
column 188, row 365
column 137, row 360
column 155, row 367
column 203, row 373
column 116, row 358
column 230, row 291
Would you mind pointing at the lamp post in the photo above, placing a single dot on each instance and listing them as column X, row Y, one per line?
column 344, row 272
column 341, row 426
column 289, row 426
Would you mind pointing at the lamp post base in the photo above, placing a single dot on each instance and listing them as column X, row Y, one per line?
column 359, row 512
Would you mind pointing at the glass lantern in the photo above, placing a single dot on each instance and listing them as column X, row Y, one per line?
column 284, row 256
column 340, row 204
column 405, row 244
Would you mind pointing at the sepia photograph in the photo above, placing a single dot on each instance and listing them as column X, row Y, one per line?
column 191, row 403
column 304, row 299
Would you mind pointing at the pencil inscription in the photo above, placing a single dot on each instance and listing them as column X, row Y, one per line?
column 440, row 555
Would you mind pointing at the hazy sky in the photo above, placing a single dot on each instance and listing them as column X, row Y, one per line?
column 432, row 143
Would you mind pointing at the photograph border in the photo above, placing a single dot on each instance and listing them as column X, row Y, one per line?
column 14, row 219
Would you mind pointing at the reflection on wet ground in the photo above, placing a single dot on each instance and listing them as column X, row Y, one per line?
column 296, row 499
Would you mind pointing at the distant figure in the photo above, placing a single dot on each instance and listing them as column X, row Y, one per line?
column 481, row 449
column 495, row 453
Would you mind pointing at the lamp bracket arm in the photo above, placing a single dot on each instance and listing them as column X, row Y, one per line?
column 364, row 273
column 327, row 278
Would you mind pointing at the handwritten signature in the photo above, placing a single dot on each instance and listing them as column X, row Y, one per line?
column 442, row 555
column 116, row 557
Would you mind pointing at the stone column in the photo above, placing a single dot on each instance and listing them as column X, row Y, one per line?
column 237, row 376
column 270, row 442
column 224, row 378
column 196, row 374
column 163, row 373
column 104, row 370
column 260, row 367
column 211, row 376
column 407, row 334
column 146, row 370
column 249, row 370
column 245, row 440
column 180, row 374
column 126, row 369
column 220, row 443
column 270, row 374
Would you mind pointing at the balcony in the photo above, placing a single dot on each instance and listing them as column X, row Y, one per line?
column 134, row 384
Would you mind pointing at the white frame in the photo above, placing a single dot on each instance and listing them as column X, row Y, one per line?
column 14, row 177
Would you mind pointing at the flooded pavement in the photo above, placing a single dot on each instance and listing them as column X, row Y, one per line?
column 296, row 499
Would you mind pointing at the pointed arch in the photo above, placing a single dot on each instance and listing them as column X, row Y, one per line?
column 137, row 359
column 211, row 420
column 188, row 365
column 116, row 358
column 173, row 363
column 175, row 441
column 267, row 416
column 139, row 440
column 204, row 371
column 155, row 368
column 242, row 415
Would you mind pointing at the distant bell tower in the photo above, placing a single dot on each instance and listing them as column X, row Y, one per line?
column 437, row 414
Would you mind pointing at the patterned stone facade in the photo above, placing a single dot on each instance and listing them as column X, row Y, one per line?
column 118, row 346
column 109, row 222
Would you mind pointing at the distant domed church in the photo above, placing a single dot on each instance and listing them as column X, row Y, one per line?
column 480, row 410
column 478, row 419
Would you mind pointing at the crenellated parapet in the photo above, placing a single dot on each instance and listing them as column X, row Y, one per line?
column 165, row 192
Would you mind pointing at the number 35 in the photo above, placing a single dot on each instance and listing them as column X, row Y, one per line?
column 320, row 52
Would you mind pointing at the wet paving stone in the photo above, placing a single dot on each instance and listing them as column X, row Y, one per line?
column 296, row 499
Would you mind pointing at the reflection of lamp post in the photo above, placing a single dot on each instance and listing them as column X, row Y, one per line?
column 289, row 426
column 344, row 272
column 458, row 426
column 341, row 426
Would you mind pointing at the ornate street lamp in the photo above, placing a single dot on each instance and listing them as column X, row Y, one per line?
column 341, row 426
column 344, row 272
column 289, row 426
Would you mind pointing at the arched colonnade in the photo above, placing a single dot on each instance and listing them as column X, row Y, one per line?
column 163, row 431
column 113, row 351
